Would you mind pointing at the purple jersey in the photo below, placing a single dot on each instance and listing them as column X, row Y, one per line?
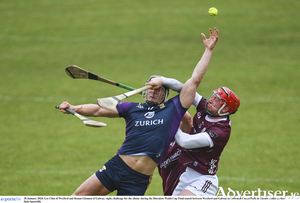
column 149, row 130
column 205, row 160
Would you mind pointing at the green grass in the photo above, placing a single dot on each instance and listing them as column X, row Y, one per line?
column 44, row 152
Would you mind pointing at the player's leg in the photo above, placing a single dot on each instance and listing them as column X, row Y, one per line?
column 193, row 183
column 201, row 187
column 186, row 193
column 92, row 186
column 182, row 184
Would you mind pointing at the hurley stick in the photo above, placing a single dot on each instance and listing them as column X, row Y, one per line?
column 76, row 72
column 85, row 120
column 110, row 103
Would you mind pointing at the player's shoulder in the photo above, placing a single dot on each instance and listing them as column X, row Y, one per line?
column 202, row 103
column 222, row 123
column 175, row 101
column 127, row 106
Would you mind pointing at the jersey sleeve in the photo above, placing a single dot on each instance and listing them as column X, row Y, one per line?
column 219, row 136
column 193, row 141
column 173, row 84
column 123, row 108
column 197, row 99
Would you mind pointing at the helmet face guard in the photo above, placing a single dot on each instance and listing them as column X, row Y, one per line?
column 163, row 90
column 227, row 99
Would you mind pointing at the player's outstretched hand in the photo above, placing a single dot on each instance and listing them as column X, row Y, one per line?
column 212, row 41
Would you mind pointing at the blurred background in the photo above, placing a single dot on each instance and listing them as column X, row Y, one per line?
column 44, row 152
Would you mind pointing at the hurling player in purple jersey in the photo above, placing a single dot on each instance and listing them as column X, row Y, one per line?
column 150, row 127
column 191, row 162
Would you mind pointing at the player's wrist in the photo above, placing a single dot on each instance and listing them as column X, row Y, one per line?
column 77, row 108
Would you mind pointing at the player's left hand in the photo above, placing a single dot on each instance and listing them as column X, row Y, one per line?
column 212, row 41
column 155, row 82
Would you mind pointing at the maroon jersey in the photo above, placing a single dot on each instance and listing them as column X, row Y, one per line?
column 205, row 160
column 170, row 169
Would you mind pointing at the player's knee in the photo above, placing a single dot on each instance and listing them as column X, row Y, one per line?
column 76, row 193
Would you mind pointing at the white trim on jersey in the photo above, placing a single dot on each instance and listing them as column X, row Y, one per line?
column 197, row 99
column 214, row 120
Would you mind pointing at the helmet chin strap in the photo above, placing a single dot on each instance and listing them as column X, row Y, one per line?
column 151, row 103
column 222, row 114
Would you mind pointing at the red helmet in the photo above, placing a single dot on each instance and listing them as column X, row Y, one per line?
column 229, row 99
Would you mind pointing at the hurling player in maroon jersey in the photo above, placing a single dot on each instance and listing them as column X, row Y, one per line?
column 191, row 163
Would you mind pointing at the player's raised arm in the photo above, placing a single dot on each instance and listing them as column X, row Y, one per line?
column 189, row 89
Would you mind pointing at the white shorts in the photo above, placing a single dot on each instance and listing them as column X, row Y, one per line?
column 198, row 184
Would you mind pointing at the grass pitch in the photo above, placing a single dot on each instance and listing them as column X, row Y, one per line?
column 44, row 152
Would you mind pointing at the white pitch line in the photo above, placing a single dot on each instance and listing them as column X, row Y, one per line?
column 32, row 171
column 53, row 99
column 39, row 98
